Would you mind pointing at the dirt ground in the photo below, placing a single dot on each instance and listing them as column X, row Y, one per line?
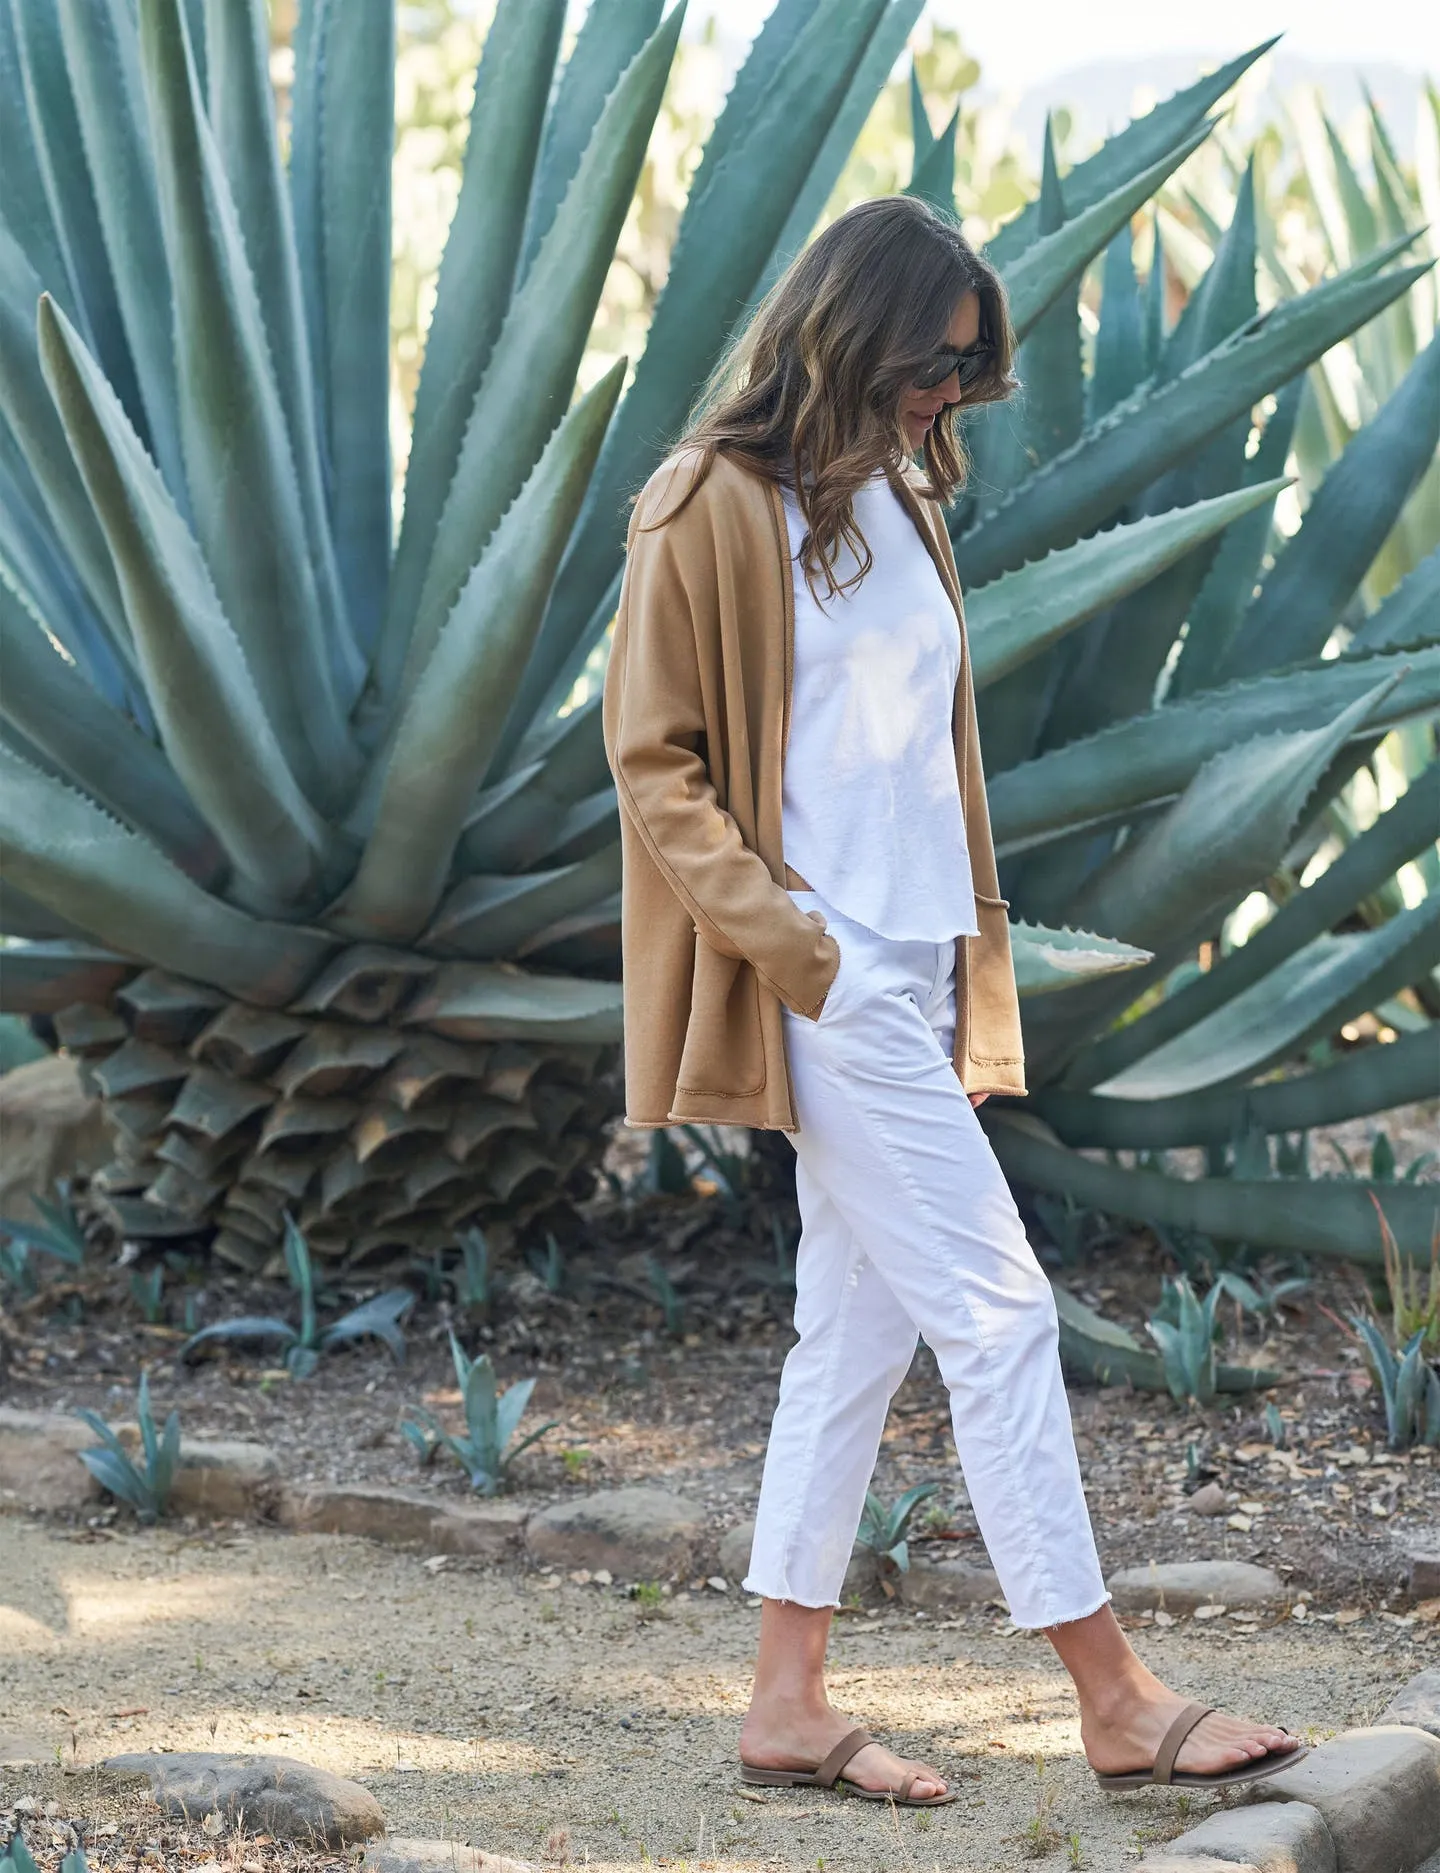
column 560, row 1723
column 569, row 1724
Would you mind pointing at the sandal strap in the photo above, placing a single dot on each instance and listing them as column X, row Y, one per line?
column 903, row 1792
column 1170, row 1743
column 828, row 1772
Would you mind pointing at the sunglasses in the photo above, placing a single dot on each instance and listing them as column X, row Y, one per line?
column 969, row 364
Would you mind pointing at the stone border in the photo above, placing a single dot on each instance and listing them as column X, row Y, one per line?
column 1368, row 1801
column 638, row 1532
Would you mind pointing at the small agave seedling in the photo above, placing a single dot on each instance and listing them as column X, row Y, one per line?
column 147, row 1290
column 58, row 1235
column 147, row 1490
column 472, row 1281
column 1414, row 1299
column 17, row 1859
column 883, row 1530
column 1263, row 1297
column 1064, row 1221
column 491, row 1420
column 376, row 1319
column 666, row 1172
column 1409, row 1385
column 730, row 1169
column 550, row 1266
column 1187, row 1342
column 668, row 1295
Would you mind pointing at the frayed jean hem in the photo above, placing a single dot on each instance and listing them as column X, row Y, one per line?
column 1066, row 1619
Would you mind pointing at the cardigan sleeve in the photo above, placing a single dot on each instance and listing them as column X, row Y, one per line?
column 655, row 736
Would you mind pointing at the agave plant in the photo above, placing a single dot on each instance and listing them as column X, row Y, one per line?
column 57, row 1234
column 17, row 1858
column 1409, row 1386
column 884, row 1529
column 485, row 1449
column 318, row 874
column 145, row 1486
column 1174, row 696
column 1099, row 1351
column 1184, row 1328
column 376, row 1319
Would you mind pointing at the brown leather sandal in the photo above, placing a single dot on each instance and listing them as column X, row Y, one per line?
column 1167, row 1775
column 827, row 1775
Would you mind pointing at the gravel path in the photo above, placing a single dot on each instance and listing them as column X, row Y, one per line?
column 545, row 1719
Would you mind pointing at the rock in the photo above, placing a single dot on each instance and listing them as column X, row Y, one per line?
column 222, row 1477
column 1417, row 1702
column 1166, row 1860
column 735, row 1550
column 1181, row 1586
column 52, row 1129
column 860, row 1576
column 1209, row 1499
column 947, row 1586
column 1274, row 1838
column 1378, row 1791
column 23, row 1752
column 639, row 1534
column 1423, row 1578
column 40, row 1469
column 437, row 1856
column 265, row 1794
column 403, row 1518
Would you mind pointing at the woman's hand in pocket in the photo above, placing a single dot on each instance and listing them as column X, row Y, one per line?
column 975, row 1098
column 818, row 917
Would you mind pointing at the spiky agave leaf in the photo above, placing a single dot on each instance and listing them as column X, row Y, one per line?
column 73, row 857
column 1132, row 765
column 275, row 574
column 1023, row 612
column 1157, row 427
column 212, row 723
column 538, row 348
column 1397, row 835
column 457, row 708
column 1326, row 1216
column 473, row 291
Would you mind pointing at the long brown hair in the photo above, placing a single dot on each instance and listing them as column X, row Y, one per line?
column 807, row 393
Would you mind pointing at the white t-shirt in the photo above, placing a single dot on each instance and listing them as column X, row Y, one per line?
column 872, row 816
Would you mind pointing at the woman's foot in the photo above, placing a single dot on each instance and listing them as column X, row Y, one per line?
column 786, row 1738
column 1124, row 1735
column 1125, row 1709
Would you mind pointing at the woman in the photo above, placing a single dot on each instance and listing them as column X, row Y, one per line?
column 813, row 940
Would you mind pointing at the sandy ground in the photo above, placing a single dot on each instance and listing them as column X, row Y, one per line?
column 566, row 1725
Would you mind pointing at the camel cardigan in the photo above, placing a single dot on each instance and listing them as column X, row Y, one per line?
column 696, row 715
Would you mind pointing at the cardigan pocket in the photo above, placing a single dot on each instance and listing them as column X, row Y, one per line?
column 724, row 1051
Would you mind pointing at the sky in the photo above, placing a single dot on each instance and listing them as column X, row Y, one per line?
column 1020, row 43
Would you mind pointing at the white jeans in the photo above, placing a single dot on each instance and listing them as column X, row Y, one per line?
column 908, row 1228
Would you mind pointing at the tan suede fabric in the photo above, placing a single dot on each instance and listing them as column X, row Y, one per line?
column 696, row 715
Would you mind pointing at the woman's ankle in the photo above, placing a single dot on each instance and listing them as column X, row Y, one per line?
column 1109, row 1698
column 787, row 1705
